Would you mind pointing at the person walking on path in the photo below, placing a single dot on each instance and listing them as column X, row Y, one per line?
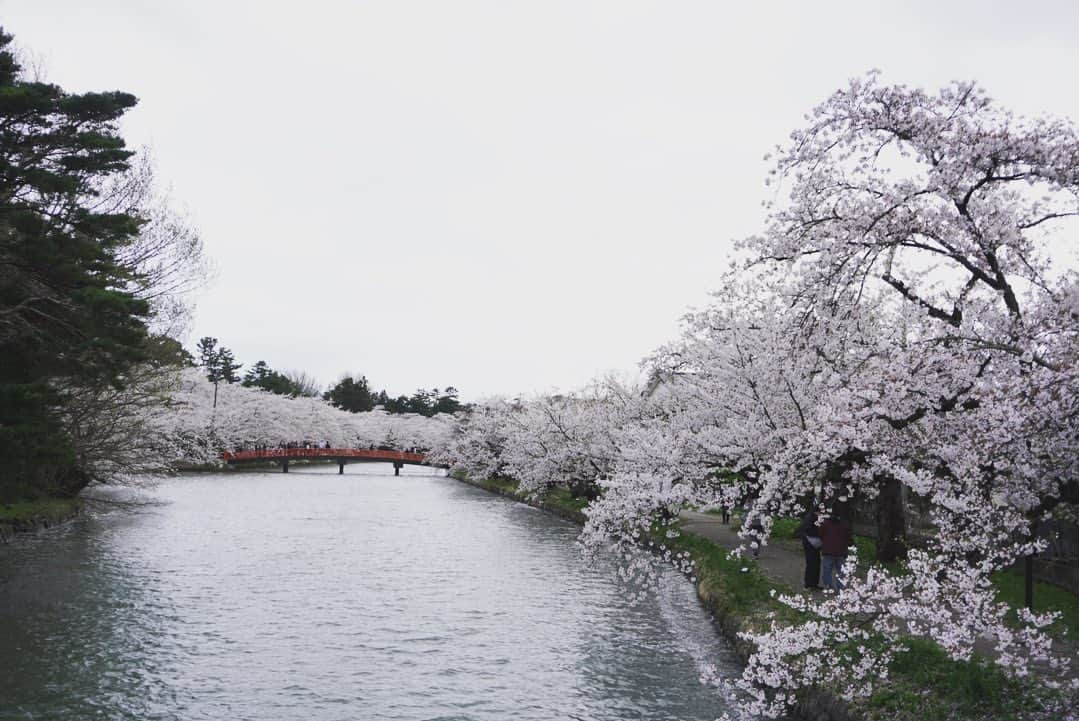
column 835, row 539
column 756, row 528
column 811, row 545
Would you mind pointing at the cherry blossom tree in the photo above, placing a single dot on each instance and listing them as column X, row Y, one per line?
column 934, row 216
column 477, row 444
column 248, row 416
column 554, row 440
column 562, row 440
column 901, row 329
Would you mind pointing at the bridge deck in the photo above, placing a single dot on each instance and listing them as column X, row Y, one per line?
column 367, row 454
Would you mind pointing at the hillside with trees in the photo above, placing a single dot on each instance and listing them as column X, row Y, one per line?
column 352, row 393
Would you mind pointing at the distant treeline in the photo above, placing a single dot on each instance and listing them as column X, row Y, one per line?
column 350, row 393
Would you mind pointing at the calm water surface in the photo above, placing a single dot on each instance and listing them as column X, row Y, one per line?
column 312, row 596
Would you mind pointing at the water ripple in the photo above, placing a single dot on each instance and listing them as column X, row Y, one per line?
column 317, row 597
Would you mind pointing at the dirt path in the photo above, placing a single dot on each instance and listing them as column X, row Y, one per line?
column 778, row 560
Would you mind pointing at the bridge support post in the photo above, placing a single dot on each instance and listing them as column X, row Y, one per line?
column 284, row 465
column 397, row 466
column 340, row 468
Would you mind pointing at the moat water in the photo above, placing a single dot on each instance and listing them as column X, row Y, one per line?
column 315, row 597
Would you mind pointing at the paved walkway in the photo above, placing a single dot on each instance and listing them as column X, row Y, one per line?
column 780, row 560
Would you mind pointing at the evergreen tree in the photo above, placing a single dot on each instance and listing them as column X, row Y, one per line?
column 207, row 354
column 446, row 402
column 400, row 404
column 227, row 366
column 257, row 375
column 218, row 363
column 68, row 311
column 262, row 376
column 421, row 401
column 424, row 402
column 351, row 394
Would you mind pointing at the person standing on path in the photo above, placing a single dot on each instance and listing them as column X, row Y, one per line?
column 811, row 545
column 756, row 528
column 835, row 539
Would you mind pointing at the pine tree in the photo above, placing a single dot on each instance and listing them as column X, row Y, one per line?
column 207, row 354
column 227, row 366
column 447, row 402
column 68, row 312
column 351, row 394
column 218, row 363
column 257, row 375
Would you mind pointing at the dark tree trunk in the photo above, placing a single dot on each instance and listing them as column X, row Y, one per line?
column 68, row 481
column 1028, row 572
column 1028, row 582
column 891, row 521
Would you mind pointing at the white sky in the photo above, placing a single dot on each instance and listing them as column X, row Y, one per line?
column 504, row 196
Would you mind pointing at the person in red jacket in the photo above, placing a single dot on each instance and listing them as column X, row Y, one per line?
column 835, row 539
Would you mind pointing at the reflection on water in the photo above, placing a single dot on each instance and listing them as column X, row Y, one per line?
column 314, row 596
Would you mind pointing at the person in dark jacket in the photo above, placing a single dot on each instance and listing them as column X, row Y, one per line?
column 757, row 528
column 835, row 539
column 811, row 543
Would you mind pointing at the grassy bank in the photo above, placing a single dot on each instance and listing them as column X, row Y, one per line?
column 557, row 501
column 1009, row 584
column 1011, row 589
column 923, row 683
column 44, row 508
column 24, row 516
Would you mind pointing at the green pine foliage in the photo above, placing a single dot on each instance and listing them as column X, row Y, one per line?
column 68, row 311
column 262, row 376
column 351, row 394
column 424, row 402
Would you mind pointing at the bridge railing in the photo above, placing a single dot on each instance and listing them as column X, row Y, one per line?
column 372, row 454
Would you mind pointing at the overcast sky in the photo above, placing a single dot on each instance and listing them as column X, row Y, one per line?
column 504, row 196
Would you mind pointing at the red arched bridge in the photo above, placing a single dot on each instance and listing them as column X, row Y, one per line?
column 342, row 455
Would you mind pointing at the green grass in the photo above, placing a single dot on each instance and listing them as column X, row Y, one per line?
column 503, row 484
column 1010, row 589
column 1047, row 597
column 1009, row 584
column 785, row 527
column 867, row 549
column 562, row 498
column 52, row 509
column 925, row 685
column 724, row 585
